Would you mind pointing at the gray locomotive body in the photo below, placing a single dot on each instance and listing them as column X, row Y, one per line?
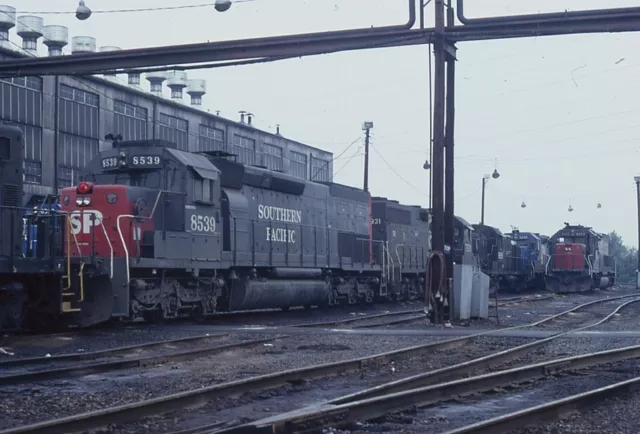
column 181, row 234
column 402, row 242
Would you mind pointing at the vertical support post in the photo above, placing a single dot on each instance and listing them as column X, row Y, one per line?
column 436, row 291
column 637, row 179
column 367, row 126
column 56, row 132
column 438, row 129
column 484, row 183
column 449, row 163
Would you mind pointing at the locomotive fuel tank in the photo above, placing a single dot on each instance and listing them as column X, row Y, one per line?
column 271, row 294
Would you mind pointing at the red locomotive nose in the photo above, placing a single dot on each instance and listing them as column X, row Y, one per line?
column 85, row 187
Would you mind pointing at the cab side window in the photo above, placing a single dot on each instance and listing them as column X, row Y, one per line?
column 5, row 148
column 203, row 190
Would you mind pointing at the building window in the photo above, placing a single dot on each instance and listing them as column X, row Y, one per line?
column 33, row 83
column 74, row 154
column 79, row 112
column 78, row 95
column 298, row 165
column 272, row 157
column 245, row 149
column 210, row 139
column 21, row 100
column 68, row 176
column 320, row 170
column 174, row 130
column 130, row 121
column 32, row 137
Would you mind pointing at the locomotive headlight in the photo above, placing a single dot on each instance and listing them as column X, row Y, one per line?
column 86, row 200
column 79, row 201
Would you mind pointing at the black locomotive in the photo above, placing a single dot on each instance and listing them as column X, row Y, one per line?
column 154, row 232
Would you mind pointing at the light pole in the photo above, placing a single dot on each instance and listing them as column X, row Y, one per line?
column 486, row 178
column 637, row 179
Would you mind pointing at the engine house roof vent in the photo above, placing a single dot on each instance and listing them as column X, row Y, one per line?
column 108, row 48
column 196, row 89
column 55, row 38
column 7, row 22
column 156, row 79
column 176, row 81
column 83, row 44
column 30, row 29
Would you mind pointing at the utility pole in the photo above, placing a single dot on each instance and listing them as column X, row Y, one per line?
column 637, row 179
column 366, row 127
column 484, row 186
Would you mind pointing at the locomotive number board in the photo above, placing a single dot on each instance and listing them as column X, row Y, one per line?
column 136, row 161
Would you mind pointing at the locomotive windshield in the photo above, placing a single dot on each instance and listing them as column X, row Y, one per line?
column 149, row 179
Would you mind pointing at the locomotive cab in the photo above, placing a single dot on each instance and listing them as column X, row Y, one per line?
column 140, row 202
column 579, row 260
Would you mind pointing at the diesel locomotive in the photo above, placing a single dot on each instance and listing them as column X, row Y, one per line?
column 154, row 233
column 579, row 260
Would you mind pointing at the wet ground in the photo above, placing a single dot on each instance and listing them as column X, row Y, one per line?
column 27, row 403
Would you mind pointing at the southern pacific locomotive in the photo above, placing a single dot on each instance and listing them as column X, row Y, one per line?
column 154, row 232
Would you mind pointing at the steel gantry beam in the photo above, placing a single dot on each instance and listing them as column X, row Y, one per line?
column 284, row 47
column 289, row 46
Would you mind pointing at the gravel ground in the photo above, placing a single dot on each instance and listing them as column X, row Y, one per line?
column 118, row 336
column 56, row 398
column 53, row 399
column 261, row 403
column 452, row 415
column 614, row 416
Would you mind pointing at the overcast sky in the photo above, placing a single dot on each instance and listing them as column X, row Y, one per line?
column 560, row 114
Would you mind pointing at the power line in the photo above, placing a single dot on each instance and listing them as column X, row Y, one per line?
column 326, row 165
column 356, row 154
column 117, row 11
column 396, row 172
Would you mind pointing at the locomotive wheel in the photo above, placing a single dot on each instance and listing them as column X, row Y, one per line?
column 197, row 314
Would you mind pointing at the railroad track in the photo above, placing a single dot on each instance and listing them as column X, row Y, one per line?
column 523, row 299
column 431, row 387
column 128, row 358
column 555, row 409
column 136, row 411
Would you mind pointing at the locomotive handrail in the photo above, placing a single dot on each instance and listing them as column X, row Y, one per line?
column 398, row 256
column 124, row 245
column 392, row 266
column 104, row 230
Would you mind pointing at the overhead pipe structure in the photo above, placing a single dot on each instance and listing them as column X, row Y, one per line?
column 564, row 17
column 292, row 45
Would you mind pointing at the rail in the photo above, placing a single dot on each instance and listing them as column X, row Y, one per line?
column 135, row 411
column 424, row 389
